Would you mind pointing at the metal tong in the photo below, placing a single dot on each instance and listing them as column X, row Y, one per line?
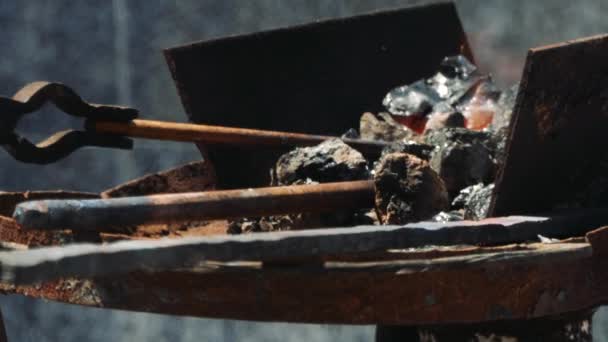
column 110, row 126
column 59, row 145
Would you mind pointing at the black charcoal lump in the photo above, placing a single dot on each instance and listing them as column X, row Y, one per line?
column 417, row 98
column 461, row 157
column 407, row 190
column 330, row 161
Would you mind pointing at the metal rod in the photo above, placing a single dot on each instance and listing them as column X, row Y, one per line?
column 175, row 131
column 100, row 214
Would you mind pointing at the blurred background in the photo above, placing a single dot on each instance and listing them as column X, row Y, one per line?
column 110, row 52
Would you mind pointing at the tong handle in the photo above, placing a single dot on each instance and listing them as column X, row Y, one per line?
column 209, row 134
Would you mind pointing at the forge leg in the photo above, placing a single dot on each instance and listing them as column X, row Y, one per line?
column 395, row 333
column 3, row 336
column 571, row 327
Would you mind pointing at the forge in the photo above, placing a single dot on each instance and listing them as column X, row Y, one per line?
column 529, row 256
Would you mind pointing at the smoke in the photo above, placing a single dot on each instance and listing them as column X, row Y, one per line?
column 501, row 32
column 110, row 53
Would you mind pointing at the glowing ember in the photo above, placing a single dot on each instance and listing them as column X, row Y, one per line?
column 479, row 114
column 432, row 103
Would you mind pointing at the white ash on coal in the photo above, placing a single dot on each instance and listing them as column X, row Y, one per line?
column 261, row 224
column 382, row 127
column 330, row 161
column 505, row 105
column 461, row 157
column 500, row 124
column 407, row 190
column 449, row 216
column 499, row 145
column 448, row 135
column 244, row 225
column 474, row 201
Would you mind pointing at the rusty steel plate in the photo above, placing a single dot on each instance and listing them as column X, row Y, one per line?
column 397, row 292
column 317, row 78
column 558, row 128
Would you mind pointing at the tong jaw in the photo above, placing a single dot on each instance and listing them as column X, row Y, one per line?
column 31, row 98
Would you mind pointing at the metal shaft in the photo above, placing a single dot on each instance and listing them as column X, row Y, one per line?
column 100, row 214
column 175, row 131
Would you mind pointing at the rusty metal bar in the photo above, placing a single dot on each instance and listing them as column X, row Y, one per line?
column 93, row 260
column 157, row 255
column 9, row 200
column 489, row 291
column 192, row 177
column 207, row 134
column 99, row 214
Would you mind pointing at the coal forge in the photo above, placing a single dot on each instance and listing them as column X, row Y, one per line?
column 447, row 134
